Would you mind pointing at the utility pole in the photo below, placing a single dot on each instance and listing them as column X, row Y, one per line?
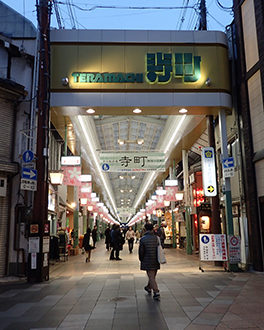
column 203, row 19
column 38, row 260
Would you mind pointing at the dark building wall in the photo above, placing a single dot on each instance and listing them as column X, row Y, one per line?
column 250, row 156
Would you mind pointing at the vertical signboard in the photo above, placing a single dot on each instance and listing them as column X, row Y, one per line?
column 234, row 249
column 209, row 173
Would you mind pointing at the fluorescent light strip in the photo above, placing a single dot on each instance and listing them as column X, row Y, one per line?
column 145, row 189
column 166, row 149
column 174, row 134
column 96, row 162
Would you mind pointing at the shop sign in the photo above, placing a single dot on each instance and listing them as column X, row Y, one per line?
column 160, row 68
column 213, row 247
column 234, row 249
column 46, row 228
column 132, row 161
column 209, row 173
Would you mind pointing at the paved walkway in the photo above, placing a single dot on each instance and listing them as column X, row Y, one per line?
column 104, row 295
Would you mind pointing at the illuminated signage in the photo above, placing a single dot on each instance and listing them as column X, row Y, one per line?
column 160, row 69
column 209, row 173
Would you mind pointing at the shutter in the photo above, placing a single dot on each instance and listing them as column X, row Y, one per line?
column 6, row 129
column 3, row 230
column 6, row 136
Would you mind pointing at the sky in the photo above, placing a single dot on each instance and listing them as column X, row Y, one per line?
column 88, row 15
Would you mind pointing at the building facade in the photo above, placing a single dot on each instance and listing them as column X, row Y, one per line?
column 248, row 40
column 17, row 62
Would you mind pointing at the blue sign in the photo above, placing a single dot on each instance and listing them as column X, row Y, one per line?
column 228, row 162
column 29, row 173
column 28, row 156
column 105, row 167
column 205, row 239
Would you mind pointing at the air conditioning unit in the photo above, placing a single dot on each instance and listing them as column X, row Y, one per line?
column 3, row 186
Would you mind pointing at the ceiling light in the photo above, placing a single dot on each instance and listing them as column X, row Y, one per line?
column 130, row 190
column 121, row 177
column 121, row 190
column 183, row 110
column 133, row 177
column 121, row 142
column 90, row 110
column 137, row 110
column 179, row 196
column 140, row 141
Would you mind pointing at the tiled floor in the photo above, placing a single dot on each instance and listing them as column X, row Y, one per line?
column 104, row 295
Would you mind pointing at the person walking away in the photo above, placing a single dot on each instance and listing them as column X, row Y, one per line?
column 162, row 234
column 116, row 242
column 94, row 235
column 108, row 238
column 130, row 236
column 137, row 236
column 86, row 245
column 149, row 259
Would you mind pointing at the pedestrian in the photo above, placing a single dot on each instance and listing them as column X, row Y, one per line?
column 162, row 234
column 108, row 238
column 116, row 242
column 130, row 236
column 94, row 236
column 86, row 245
column 137, row 236
column 149, row 259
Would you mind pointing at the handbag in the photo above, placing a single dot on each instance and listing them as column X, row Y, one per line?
column 160, row 253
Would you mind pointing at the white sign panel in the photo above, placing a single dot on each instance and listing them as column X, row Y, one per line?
column 45, row 247
column 33, row 244
column 34, row 260
column 26, row 184
column 209, row 174
column 132, row 161
column 234, row 249
column 213, row 247
column 70, row 160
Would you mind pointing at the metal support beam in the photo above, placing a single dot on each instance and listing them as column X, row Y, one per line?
column 187, row 202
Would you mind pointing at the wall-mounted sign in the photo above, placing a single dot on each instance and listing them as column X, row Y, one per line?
column 34, row 228
column 70, row 160
column 132, row 161
column 208, row 170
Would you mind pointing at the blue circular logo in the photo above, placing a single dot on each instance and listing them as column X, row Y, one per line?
column 205, row 239
column 105, row 167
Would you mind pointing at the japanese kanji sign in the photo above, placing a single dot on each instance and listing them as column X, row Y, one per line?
column 131, row 161
column 213, row 247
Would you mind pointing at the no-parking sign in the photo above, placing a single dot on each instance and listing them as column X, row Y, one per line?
column 234, row 249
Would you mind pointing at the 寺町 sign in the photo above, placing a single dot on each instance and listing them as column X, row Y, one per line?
column 130, row 161
column 160, row 68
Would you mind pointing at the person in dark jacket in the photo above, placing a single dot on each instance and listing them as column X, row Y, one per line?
column 108, row 238
column 116, row 243
column 149, row 259
column 86, row 244
column 94, row 235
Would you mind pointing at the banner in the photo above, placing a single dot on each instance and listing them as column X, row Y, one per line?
column 72, row 175
column 132, row 161
column 170, row 194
